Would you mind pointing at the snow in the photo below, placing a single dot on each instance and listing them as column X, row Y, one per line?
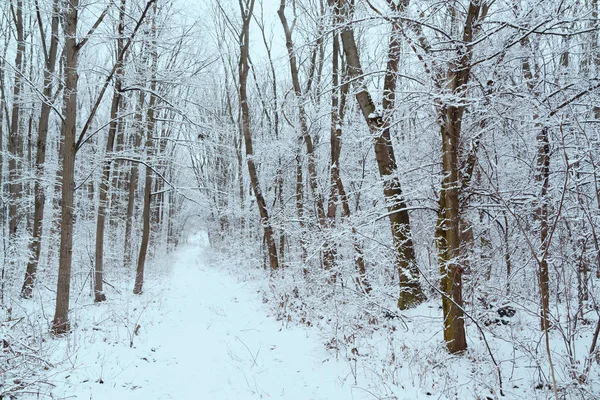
column 212, row 340
column 209, row 326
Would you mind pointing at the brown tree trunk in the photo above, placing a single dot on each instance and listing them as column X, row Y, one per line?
column 411, row 292
column 542, row 214
column 60, row 324
column 336, row 189
column 139, row 275
column 449, row 219
column 99, row 294
column 39, row 192
column 15, row 140
column 133, row 183
column 243, row 69
column 451, row 269
column 306, row 137
column 542, row 177
column 279, row 183
column 150, row 128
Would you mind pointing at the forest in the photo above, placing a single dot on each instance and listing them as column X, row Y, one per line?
column 414, row 184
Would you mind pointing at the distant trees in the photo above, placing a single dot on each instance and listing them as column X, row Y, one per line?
column 42, row 139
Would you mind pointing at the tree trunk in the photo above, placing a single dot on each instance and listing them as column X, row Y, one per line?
column 243, row 69
column 307, row 139
column 542, row 213
column 411, row 292
column 60, row 323
column 336, row 189
column 15, row 141
column 139, row 275
column 133, row 184
column 451, row 270
column 150, row 128
column 99, row 295
column 39, row 192
column 448, row 232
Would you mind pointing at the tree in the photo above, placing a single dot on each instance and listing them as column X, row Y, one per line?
column 15, row 142
column 50, row 56
column 246, row 10
column 104, row 184
column 411, row 292
column 71, row 143
column 60, row 323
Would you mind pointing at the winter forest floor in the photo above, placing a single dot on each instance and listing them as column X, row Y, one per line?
column 209, row 327
column 201, row 335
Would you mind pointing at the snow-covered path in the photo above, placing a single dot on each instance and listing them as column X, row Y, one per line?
column 215, row 341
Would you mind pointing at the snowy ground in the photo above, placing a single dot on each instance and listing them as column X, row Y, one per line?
column 202, row 330
column 208, row 337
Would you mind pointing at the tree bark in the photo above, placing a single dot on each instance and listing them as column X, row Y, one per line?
column 310, row 152
column 448, row 232
column 542, row 214
column 15, row 141
column 60, row 323
column 133, row 183
column 150, row 128
column 243, row 68
column 336, row 189
column 411, row 292
column 99, row 294
column 40, row 160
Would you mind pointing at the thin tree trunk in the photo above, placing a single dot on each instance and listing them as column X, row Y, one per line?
column 39, row 192
column 139, row 276
column 150, row 128
column 542, row 177
column 312, row 168
column 307, row 139
column 99, row 294
column 542, row 214
column 133, row 183
column 279, row 183
column 336, row 189
column 243, row 69
column 15, row 141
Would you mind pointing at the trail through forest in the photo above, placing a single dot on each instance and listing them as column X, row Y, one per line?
column 214, row 340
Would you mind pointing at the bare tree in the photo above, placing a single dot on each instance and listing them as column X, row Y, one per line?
column 15, row 142
column 104, row 184
column 246, row 10
column 50, row 57
column 150, row 130
column 61, row 324
column 411, row 292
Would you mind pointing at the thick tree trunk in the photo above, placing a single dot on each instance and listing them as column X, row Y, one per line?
column 60, row 323
column 451, row 269
column 411, row 292
column 39, row 192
